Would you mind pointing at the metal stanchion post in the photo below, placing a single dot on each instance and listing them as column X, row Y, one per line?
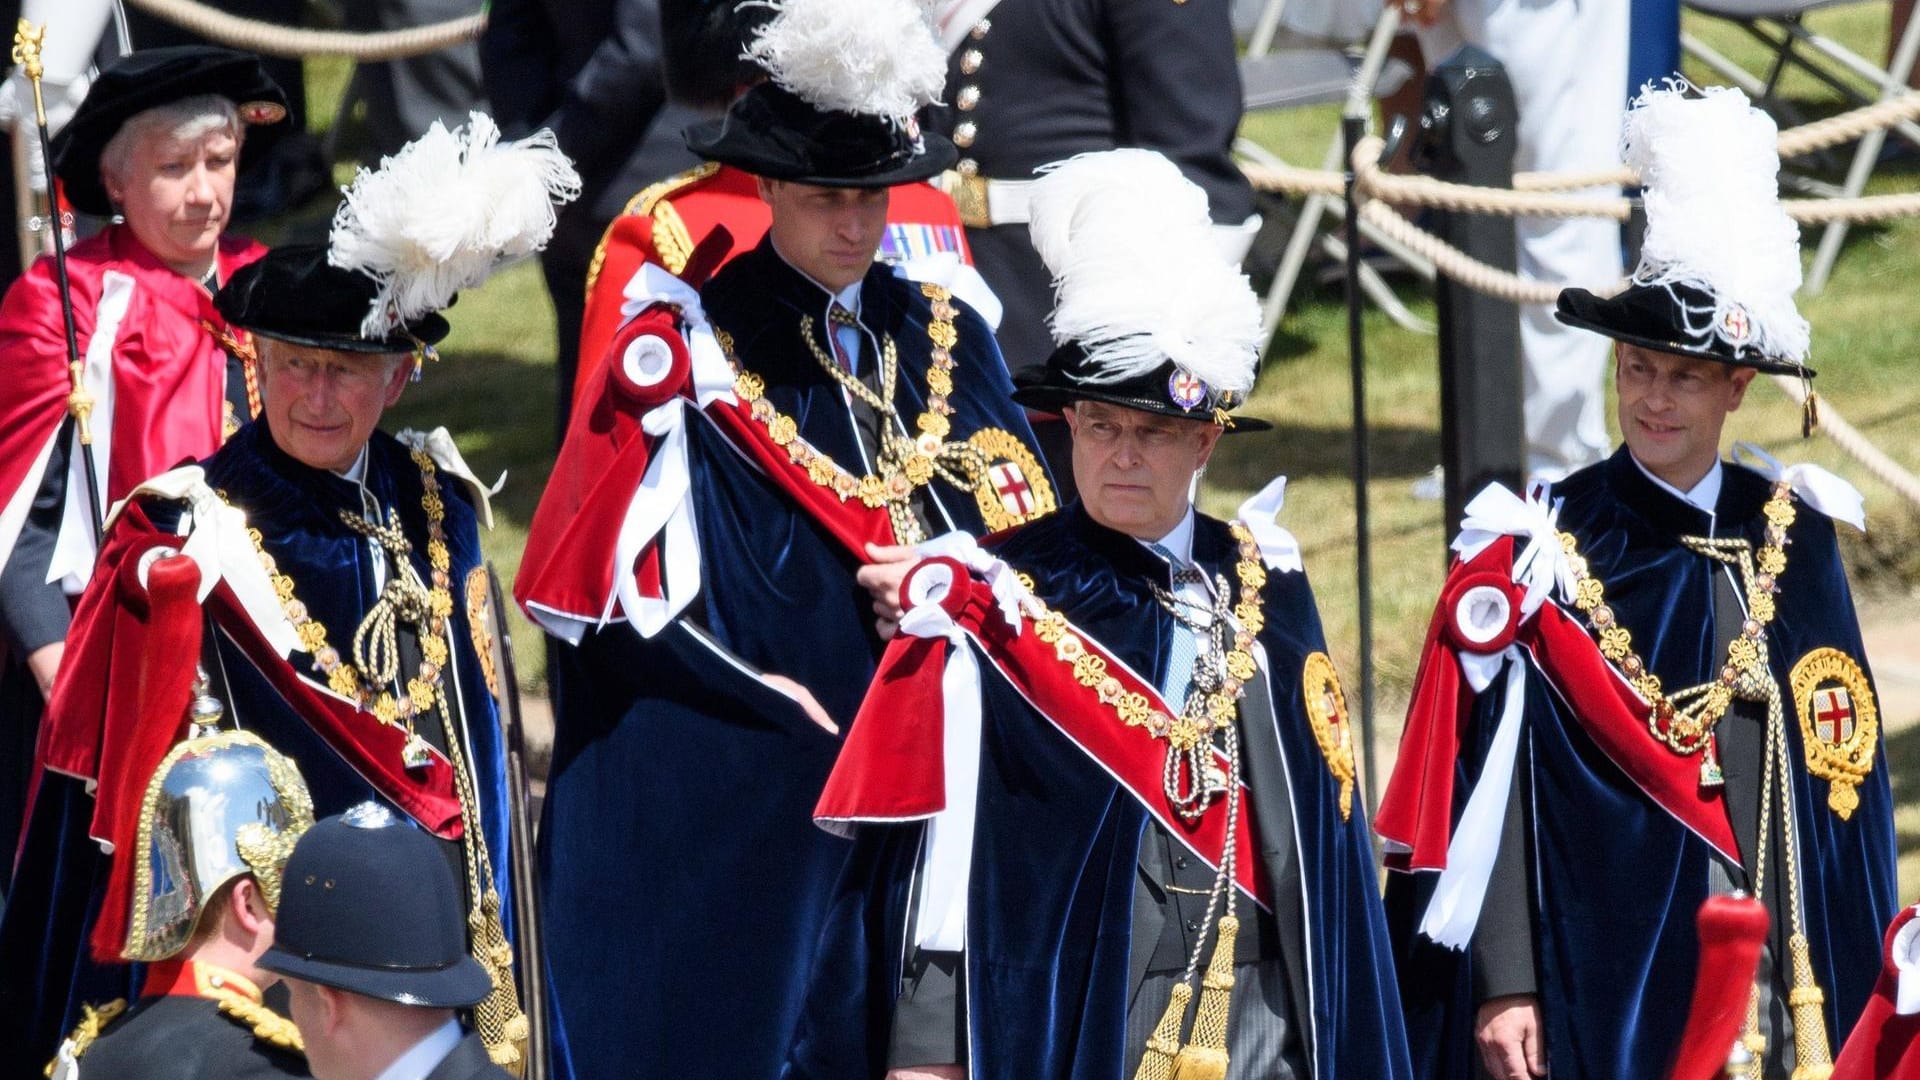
column 1353, row 127
column 1467, row 136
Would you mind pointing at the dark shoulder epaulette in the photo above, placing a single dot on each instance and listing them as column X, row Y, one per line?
column 92, row 1022
column 670, row 237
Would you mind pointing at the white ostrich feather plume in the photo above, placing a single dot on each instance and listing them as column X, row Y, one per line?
column 1714, row 220
column 873, row 57
column 446, row 212
column 1137, row 274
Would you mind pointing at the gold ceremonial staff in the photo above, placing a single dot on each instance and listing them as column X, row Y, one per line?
column 27, row 42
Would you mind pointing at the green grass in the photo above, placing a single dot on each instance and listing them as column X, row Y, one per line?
column 494, row 389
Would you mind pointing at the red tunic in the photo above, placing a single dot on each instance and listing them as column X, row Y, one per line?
column 665, row 221
column 160, row 375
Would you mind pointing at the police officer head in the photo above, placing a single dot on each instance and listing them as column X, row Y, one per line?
column 1153, row 352
column 372, row 941
column 833, row 127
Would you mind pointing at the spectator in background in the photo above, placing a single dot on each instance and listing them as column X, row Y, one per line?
column 1568, row 63
column 594, row 72
column 1035, row 81
column 405, row 96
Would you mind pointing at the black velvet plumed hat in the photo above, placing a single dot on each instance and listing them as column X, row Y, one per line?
column 151, row 78
column 294, row 294
column 1720, row 259
column 845, row 79
column 1176, row 334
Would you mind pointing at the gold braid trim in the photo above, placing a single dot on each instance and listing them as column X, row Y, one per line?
column 645, row 202
column 92, row 1022
column 267, row 1026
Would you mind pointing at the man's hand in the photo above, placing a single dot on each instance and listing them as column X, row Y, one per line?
column 882, row 578
column 802, row 697
column 1512, row 1041
column 44, row 662
column 928, row 1072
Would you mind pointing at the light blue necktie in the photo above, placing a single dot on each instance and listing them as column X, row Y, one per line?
column 1185, row 645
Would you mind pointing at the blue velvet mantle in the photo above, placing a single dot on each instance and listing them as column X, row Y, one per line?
column 45, row 972
column 1057, row 844
column 1617, row 879
column 683, row 880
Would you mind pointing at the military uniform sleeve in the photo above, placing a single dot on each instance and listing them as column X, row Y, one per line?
column 1176, row 89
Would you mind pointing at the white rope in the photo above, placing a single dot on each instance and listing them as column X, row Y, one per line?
column 271, row 39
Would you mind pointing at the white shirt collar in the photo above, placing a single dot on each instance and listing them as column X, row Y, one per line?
column 357, row 472
column 426, row 1055
column 1704, row 495
column 1179, row 540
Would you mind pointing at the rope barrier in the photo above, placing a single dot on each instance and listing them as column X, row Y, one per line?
column 272, row 39
column 1855, row 445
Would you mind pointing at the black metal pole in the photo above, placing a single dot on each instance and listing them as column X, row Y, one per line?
column 27, row 41
column 1353, row 129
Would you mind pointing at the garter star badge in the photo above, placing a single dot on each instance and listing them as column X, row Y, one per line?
column 1327, row 713
column 1011, row 487
column 1839, row 723
column 1186, row 389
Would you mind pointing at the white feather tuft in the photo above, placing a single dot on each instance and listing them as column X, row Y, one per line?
column 872, row 57
column 1711, row 167
column 446, row 212
column 1138, row 277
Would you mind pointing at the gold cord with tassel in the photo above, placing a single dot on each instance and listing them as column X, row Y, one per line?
column 1205, row 1055
column 1813, row 1058
column 1157, row 1064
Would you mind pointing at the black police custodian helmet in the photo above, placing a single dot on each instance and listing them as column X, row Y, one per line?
column 296, row 295
column 148, row 79
column 370, row 905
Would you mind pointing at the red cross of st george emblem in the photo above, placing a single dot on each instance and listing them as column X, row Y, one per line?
column 1833, row 714
column 1011, row 485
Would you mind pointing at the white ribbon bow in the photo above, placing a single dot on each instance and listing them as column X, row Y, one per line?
column 218, row 543
column 1817, row 487
column 712, row 375
column 941, row 921
column 1278, row 547
column 438, row 445
column 1541, row 565
column 999, row 577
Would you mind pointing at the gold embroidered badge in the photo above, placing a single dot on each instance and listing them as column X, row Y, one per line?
column 1839, row 723
column 1327, row 712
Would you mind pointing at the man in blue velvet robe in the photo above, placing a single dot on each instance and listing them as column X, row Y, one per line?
column 1645, row 686
column 327, row 550
column 741, row 480
column 1030, row 907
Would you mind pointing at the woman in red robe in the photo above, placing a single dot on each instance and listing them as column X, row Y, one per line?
column 156, row 144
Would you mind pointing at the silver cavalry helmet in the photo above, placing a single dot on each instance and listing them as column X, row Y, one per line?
column 219, row 806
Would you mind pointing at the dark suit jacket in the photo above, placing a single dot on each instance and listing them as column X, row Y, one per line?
column 468, row 1062
column 592, row 71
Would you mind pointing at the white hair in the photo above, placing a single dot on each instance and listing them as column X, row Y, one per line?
column 187, row 119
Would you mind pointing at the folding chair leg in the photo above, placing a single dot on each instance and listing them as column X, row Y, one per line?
column 1865, row 157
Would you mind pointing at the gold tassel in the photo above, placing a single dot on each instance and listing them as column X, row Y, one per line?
column 502, row 1026
column 1157, row 1063
column 1813, row 1058
column 1809, row 414
column 1205, row 1055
